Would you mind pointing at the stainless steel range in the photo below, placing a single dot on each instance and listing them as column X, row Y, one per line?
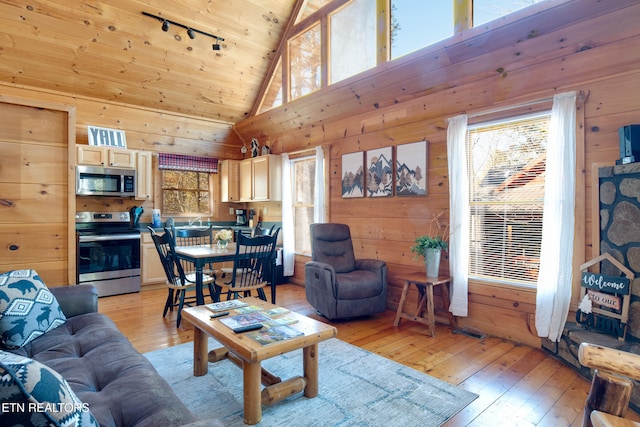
column 108, row 252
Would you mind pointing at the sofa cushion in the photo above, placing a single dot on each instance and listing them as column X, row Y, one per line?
column 119, row 384
column 32, row 394
column 27, row 308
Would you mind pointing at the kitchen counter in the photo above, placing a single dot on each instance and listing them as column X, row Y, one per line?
column 215, row 227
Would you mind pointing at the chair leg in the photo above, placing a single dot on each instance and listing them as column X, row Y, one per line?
column 212, row 292
column 261, row 294
column 169, row 304
column 181, row 304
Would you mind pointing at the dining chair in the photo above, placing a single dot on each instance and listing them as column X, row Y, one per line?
column 252, row 267
column 193, row 237
column 178, row 282
column 261, row 230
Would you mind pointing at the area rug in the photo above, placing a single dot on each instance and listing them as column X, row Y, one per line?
column 356, row 388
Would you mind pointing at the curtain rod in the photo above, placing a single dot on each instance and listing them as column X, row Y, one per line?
column 510, row 107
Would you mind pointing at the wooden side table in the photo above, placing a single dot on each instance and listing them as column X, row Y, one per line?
column 425, row 289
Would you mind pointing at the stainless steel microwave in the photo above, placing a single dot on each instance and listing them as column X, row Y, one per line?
column 101, row 181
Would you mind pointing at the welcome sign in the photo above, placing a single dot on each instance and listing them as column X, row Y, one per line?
column 605, row 283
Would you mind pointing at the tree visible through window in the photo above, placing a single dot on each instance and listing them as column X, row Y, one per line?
column 185, row 192
column 303, row 180
column 304, row 65
column 506, row 163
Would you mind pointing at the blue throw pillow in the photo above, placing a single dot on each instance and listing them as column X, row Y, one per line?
column 27, row 308
column 32, row 394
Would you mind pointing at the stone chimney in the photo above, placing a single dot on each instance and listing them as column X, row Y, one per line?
column 620, row 229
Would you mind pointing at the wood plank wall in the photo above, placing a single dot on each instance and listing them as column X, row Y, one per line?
column 585, row 45
column 578, row 45
column 34, row 164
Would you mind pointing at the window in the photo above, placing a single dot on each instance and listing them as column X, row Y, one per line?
column 418, row 23
column 488, row 10
column 185, row 192
column 303, row 172
column 333, row 40
column 273, row 95
column 353, row 39
column 506, row 162
column 304, row 65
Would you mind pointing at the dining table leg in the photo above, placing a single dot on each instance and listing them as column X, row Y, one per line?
column 199, row 265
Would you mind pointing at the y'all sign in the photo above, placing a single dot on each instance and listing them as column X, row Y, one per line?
column 106, row 137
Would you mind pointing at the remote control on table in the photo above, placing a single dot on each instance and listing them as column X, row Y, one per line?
column 247, row 328
column 222, row 313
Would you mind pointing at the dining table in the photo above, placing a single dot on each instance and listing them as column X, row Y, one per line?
column 202, row 255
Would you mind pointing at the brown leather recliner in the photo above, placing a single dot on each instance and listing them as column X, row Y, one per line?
column 336, row 283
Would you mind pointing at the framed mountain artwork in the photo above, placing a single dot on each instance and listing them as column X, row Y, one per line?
column 352, row 175
column 411, row 169
column 379, row 173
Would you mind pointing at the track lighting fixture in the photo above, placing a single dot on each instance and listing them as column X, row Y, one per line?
column 191, row 32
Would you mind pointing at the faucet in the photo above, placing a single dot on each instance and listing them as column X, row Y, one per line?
column 192, row 221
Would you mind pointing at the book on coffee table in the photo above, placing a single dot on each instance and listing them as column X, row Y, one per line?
column 242, row 320
column 274, row 334
column 281, row 321
column 225, row 305
column 276, row 311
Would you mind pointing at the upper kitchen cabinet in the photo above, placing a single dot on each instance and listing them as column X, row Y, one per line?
column 92, row 155
column 261, row 179
column 230, row 180
column 144, row 175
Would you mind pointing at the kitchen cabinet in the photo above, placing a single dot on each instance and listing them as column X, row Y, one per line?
column 144, row 176
column 229, row 180
column 92, row 155
column 261, row 179
column 151, row 268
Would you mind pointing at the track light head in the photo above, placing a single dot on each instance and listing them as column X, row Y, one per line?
column 191, row 32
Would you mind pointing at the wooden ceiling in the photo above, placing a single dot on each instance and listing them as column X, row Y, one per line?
column 109, row 50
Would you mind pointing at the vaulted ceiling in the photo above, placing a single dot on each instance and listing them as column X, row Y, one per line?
column 110, row 50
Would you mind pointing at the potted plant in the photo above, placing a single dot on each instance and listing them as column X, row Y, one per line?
column 430, row 246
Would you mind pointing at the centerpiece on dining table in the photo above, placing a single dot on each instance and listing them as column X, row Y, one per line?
column 223, row 237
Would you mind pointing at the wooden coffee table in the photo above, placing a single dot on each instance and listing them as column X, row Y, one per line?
column 248, row 354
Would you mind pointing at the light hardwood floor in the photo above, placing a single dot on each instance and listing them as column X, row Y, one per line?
column 517, row 385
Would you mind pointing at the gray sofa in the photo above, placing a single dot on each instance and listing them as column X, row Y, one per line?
column 119, row 385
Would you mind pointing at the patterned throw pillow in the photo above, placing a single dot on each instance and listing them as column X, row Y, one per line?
column 32, row 394
column 27, row 308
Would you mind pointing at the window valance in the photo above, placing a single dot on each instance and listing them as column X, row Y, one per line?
column 187, row 163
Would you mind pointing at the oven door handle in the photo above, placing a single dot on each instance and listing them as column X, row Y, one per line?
column 108, row 237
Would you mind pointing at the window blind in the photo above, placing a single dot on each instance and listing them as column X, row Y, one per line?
column 507, row 177
column 187, row 163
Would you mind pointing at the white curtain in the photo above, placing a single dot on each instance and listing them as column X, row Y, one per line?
column 556, row 250
column 288, row 238
column 318, row 196
column 459, row 214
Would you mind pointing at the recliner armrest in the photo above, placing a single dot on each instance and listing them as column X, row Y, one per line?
column 76, row 299
column 321, row 269
column 374, row 265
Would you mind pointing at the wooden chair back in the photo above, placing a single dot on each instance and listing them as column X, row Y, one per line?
column 252, row 266
column 172, row 269
column 192, row 237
